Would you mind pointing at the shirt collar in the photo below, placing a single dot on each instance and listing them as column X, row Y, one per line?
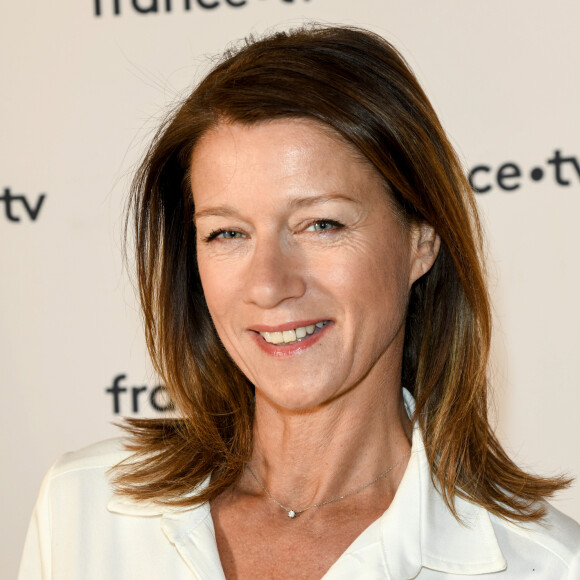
column 189, row 529
column 418, row 530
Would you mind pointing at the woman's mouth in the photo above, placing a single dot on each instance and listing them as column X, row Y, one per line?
column 293, row 335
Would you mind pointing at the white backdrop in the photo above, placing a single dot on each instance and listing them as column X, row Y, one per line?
column 81, row 93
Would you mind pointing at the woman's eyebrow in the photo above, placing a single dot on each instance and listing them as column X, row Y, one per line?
column 217, row 211
column 319, row 199
column 296, row 203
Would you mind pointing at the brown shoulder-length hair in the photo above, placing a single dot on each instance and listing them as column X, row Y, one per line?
column 358, row 84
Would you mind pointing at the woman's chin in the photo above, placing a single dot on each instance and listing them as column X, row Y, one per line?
column 299, row 399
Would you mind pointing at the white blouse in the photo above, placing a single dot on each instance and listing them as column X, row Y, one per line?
column 80, row 530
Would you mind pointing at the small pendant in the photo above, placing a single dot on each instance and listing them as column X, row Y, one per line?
column 291, row 514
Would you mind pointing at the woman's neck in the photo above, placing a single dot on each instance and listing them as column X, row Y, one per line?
column 308, row 457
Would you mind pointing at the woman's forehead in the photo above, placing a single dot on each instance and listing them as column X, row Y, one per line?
column 288, row 129
column 293, row 156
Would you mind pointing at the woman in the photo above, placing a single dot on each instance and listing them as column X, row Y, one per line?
column 308, row 255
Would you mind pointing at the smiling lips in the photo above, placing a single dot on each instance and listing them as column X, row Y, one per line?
column 293, row 335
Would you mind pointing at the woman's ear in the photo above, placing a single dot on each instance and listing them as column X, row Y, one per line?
column 425, row 243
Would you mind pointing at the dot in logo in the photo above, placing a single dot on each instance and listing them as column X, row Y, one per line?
column 537, row 173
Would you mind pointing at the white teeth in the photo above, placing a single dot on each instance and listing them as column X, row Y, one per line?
column 289, row 336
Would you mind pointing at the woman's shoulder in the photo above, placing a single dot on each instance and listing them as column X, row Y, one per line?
column 556, row 538
column 81, row 480
column 81, row 528
column 94, row 459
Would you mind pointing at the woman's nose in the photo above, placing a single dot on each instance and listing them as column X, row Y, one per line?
column 274, row 274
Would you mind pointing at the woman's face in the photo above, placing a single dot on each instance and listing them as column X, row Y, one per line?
column 306, row 269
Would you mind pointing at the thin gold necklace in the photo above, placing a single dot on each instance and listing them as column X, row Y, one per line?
column 294, row 513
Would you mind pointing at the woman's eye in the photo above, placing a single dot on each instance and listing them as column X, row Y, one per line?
column 224, row 235
column 324, row 226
